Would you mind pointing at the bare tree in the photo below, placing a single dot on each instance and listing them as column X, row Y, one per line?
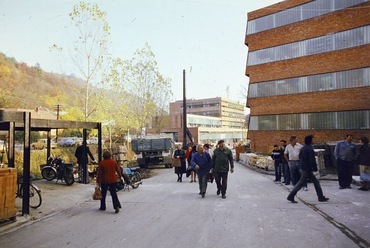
column 90, row 50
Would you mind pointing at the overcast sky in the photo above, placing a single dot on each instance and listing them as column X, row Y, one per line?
column 204, row 37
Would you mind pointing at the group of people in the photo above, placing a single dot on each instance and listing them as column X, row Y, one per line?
column 201, row 162
column 297, row 164
column 296, row 161
column 286, row 161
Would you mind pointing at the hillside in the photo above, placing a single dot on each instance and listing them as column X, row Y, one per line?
column 24, row 86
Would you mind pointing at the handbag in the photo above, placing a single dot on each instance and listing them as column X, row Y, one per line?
column 97, row 194
column 176, row 162
column 188, row 171
column 210, row 177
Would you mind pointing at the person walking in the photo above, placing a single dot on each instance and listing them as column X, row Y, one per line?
column 277, row 155
column 201, row 162
column 364, row 162
column 345, row 154
column 291, row 154
column 308, row 165
column 180, row 154
column 222, row 157
column 107, row 178
column 189, row 155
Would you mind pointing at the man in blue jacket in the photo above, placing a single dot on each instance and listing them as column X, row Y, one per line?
column 201, row 162
column 345, row 154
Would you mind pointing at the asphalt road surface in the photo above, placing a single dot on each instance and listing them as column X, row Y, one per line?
column 166, row 213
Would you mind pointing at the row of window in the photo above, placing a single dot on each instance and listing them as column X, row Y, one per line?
column 321, row 82
column 208, row 137
column 233, row 106
column 299, row 13
column 202, row 122
column 358, row 119
column 215, row 113
column 331, row 42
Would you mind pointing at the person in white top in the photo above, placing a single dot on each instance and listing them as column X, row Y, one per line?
column 291, row 154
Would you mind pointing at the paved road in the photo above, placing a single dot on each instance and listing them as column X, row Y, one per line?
column 165, row 213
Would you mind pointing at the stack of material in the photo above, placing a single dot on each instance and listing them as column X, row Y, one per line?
column 252, row 159
column 120, row 155
column 243, row 158
column 262, row 163
column 8, row 185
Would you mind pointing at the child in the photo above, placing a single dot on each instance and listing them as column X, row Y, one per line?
column 277, row 156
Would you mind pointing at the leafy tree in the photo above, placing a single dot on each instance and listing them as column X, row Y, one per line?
column 5, row 98
column 150, row 92
column 71, row 133
column 34, row 136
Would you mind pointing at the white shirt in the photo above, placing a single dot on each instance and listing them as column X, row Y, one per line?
column 293, row 152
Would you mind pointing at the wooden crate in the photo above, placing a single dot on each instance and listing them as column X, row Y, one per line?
column 8, row 184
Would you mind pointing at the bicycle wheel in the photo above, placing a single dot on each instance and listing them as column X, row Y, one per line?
column 48, row 173
column 134, row 180
column 35, row 196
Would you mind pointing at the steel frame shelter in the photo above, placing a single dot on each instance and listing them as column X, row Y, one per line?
column 12, row 121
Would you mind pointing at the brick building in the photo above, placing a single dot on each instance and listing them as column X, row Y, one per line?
column 309, row 70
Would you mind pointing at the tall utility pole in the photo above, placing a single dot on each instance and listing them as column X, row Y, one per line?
column 184, row 110
column 57, row 108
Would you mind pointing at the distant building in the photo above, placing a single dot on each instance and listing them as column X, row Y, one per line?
column 209, row 120
column 309, row 70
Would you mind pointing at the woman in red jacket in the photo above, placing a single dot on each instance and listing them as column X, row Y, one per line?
column 107, row 178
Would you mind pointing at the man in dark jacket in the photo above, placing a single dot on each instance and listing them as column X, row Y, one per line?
column 307, row 163
column 222, row 156
column 82, row 152
column 277, row 155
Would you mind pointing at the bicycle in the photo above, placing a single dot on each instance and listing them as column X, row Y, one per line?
column 35, row 193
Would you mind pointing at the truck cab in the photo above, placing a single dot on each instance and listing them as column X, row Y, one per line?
column 154, row 150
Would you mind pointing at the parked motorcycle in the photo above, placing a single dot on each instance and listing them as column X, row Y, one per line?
column 131, row 178
column 57, row 168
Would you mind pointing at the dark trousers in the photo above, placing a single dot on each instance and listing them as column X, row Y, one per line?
column 221, row 181
column 202, row 183
column 286, row 172
column 179, row 177
column 295, row 173
column 303, row 180
column 345, row 170
column 277, row 170
column 113, row 193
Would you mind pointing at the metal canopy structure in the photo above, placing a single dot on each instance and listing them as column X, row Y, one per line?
column 12, row 121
